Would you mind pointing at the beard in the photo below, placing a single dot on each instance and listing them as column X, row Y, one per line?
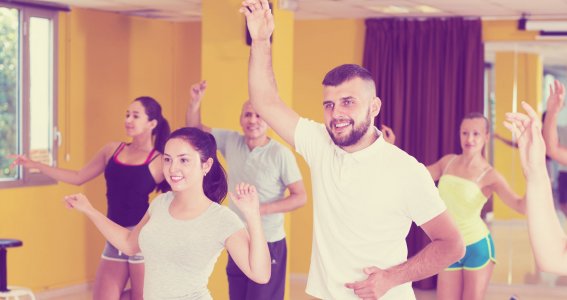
column 354, row 136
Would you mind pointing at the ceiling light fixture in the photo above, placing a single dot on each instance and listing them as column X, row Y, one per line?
column 393, row 9
column 426, row 9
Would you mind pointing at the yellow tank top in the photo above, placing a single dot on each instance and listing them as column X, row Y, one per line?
column 464, row 200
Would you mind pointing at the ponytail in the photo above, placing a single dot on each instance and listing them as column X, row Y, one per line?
column 162, row 130
column 160, row 133
column 215, row 186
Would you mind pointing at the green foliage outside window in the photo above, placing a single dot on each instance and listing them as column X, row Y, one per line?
column 9, row 49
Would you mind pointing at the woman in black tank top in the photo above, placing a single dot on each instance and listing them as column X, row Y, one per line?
column 132, row 171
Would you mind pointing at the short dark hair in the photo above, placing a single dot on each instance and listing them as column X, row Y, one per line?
column 215, row 185
column 346, row 72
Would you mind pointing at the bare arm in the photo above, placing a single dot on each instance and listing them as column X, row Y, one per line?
column 261, row 80
column 249, row 249
column 555, row 103
column 120, row 237
column 193, row 115
column 445, row 248
column 508, row 196
column 436, row 169
column 548, row 240
column 156, row 169
column 505, row 141
column 296, row 199
column 92, row 169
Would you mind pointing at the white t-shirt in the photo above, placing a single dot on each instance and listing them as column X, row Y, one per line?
column 180, row 254
column 363, row 206
column 270, row 168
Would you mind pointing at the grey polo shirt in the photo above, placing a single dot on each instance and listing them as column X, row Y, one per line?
column 270, row 168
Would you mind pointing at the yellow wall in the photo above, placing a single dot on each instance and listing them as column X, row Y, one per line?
column 224, row 57
column 225, row 67
column 514, row 73
column 319, row 46
column 519, row 78
column 105, row 60
column 505, row 30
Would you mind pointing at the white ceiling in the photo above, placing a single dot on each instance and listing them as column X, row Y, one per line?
column 181, row 10
column 190, row 10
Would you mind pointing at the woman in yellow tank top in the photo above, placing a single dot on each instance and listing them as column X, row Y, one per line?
column 466, row 181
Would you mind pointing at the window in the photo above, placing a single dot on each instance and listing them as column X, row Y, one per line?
column 28, row 82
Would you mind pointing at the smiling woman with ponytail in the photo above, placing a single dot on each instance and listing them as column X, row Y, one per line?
column 184, row 231
column 132, row 171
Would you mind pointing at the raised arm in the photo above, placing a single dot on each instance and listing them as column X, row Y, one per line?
column 445, row 248
column 505, row 192
column 121, row 238
column 249, row 249
column 193, row 115
column 505, row 141
column 89, row 171
column 296, row 199
column 548, row 240
column 261, row 81
column 555, row 103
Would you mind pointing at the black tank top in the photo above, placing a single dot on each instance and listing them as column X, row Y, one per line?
column 127, row 189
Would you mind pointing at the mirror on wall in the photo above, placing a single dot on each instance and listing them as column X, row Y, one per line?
column 515, row 263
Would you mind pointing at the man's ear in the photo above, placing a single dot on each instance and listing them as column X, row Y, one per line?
column 375, row 106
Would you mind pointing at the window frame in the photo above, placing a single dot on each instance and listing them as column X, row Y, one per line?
column 26, row 177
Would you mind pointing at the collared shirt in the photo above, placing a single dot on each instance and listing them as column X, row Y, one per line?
column 363, row 206
column 270, row 168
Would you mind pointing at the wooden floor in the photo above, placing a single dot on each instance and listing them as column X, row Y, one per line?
column 514, row 273
column 495, row 292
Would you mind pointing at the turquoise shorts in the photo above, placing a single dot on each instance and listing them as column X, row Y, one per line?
column 477, row 255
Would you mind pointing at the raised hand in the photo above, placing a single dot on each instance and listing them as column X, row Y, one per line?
column 23, row 161
column 197, row 91
column 78, row 202
column 389, row 135
column 555, row 101
column 527, row 131
column 246, row 199
column 259, row 19
column 372, row 288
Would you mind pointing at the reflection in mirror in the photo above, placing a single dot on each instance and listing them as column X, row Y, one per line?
column 515, row 72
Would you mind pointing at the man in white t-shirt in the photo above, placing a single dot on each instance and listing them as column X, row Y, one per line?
column 254, row 158
column 366, row 192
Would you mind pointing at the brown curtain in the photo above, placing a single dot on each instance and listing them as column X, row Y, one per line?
column 429, row 74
